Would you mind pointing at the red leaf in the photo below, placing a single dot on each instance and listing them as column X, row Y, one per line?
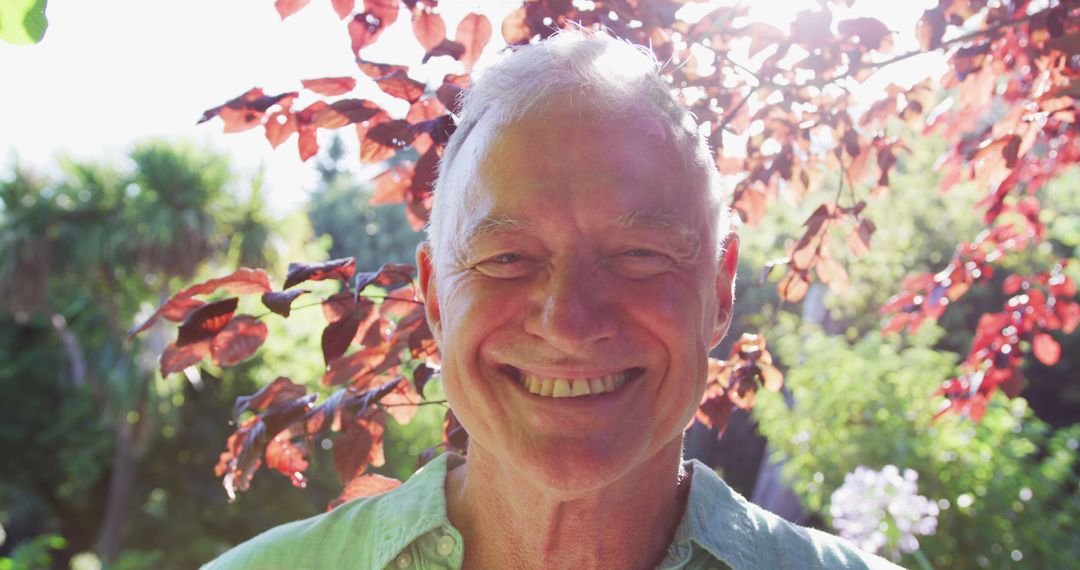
column 1012, row 284
column 241, row 282
column 351, row 450
column 280, row 302
column 515, row 27
column 375, row 70
column 455, row 438
column 276, row 393
column 473, row 32
column 830, row 272
column 398, row 84
column 421, row 375
column 286, row 8
column 337, row 336
column 449, row 95
column 385, row 139
column 338, row 305
column 175, row 359
column 363, row 32
column 238, row 340
column 430, row 29
column 288, row 459
column 330, row 86
column 344, row 112
column 1046, row 349
column 251, row 106
column 360, row 368
column 859, row 238
column 279, row 127
column 343, row 7
column 425, row 110
column 206, row 321
column 390, row 186
column 446, row 47
column 308, row 145
column 342, row 269
column 385, row 10
column 793, row 286
column 368, row 485
column 870, row 31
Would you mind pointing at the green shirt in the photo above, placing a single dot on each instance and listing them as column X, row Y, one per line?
column 408, row 528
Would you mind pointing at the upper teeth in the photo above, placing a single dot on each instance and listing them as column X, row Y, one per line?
column 572, row 387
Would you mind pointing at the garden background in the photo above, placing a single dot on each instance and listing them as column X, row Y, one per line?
column 113, row 200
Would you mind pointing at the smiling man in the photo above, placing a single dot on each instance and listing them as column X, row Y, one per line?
column 578, row 270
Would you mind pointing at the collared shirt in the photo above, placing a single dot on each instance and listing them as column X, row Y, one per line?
column 408, row 528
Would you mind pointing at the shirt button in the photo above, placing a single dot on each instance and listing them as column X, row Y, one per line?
column 404, row 560
column 446, row 545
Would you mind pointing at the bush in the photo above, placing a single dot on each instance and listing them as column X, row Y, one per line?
column 1006, row 486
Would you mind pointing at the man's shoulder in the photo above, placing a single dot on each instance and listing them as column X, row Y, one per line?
column 320, row 541
column 748, row 536
column 792, row 545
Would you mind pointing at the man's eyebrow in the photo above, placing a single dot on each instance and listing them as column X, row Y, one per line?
column 487, row 227
column 685, row 237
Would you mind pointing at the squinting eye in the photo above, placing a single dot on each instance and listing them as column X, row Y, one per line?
column 506, row 266
column 640, row 263
column 505, row 258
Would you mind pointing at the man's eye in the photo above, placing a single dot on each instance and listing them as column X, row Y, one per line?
column 640, row 263
column 505, row 266
column 507, row 258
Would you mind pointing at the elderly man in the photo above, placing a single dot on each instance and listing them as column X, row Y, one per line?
column 579, row 268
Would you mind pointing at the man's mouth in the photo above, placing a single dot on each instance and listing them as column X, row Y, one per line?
column 555, row 387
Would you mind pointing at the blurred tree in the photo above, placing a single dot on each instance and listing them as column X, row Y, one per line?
column 83, row 254
column 342, row 209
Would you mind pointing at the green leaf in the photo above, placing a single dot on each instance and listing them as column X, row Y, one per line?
column 22, row 21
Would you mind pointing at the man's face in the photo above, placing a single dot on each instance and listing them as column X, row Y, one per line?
column 579, row 256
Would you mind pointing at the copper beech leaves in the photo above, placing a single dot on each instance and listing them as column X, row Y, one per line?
column 330, row 86
column 342, row 269
column 473, row 32
column 281, row 302
column 179, row 306
column 238, row 340
column 734, row 382
column 1013, row 95
column 367, row 485
column 429, row 28
column 287, row 8
column 206, row 322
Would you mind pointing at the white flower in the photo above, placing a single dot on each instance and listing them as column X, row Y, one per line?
column 882, row 509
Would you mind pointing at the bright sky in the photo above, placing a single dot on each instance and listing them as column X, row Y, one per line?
column 110, row 72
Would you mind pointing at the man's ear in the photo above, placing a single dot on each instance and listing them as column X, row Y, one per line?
column 725, row 286
column 426, row 265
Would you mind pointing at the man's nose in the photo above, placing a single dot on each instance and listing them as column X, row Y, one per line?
column 572, row 309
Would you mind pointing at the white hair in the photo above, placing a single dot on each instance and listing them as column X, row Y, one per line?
column 607, row 77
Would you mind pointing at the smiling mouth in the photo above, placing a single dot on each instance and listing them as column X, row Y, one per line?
column 554, row 387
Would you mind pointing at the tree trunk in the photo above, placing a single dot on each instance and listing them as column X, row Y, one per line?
column 122, row 476
column 128, row 437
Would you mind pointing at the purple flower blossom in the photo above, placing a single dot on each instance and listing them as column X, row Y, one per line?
column 882, row 510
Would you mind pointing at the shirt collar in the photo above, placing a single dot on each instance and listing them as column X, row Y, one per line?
column 416, row 512
column 715, row 519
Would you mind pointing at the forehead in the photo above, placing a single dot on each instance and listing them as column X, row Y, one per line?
column 565, row 162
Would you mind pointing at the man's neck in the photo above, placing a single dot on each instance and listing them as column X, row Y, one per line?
column 510, row 521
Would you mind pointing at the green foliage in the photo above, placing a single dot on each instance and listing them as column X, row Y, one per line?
column 34, row 554
column 1010, row 485
column 22, row 21
column 341, row 209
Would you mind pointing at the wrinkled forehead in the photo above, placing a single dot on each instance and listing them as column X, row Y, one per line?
column 477, row 159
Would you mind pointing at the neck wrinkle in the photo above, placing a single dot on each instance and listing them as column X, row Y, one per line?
column 510, row 521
